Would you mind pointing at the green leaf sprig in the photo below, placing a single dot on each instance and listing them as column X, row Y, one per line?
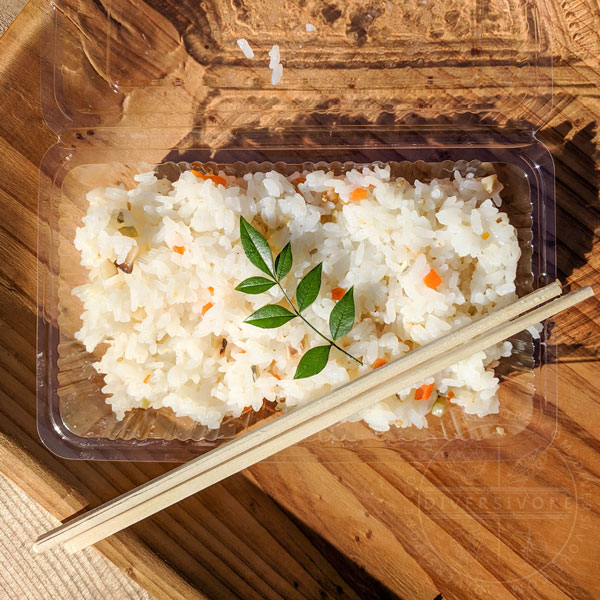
column 341, row 319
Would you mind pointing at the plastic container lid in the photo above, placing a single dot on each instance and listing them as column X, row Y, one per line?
column 433, row 86
column 375, row 66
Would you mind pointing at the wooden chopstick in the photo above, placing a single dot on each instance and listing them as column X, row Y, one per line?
column 305, row 429
column 303, row 422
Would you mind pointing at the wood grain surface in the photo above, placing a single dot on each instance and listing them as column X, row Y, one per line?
column 522, row 528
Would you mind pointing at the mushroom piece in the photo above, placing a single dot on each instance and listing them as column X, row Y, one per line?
column 129, row 231
column 127, row 265
column 223, row 346
column 491, row 184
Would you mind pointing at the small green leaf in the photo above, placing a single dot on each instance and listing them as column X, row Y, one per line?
column 270, row 317
column 341, row 318
column 255, row 285
column 313, row 362
column 256, row 247
column 283, row 262
column 308, row 288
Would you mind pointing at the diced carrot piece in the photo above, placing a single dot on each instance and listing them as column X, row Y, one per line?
column 179, row 249
column 242, row 351
column 211, row 289
column 147, row 378
column 214, row 178
column 451, row 395
column 207, row 307
column 424, row 392
column 358, row 194
column 337, row 293
column 218, row 180
column 276, row 376
column 485, row 235
column 379, row 363
column 432, row 279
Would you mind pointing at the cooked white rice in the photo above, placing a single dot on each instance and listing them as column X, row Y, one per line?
column 245, row 48
column 275, row 65
column 164, row 323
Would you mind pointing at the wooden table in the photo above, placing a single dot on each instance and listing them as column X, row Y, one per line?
column 528, row 528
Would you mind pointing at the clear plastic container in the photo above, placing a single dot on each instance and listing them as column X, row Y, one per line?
column 429, row 86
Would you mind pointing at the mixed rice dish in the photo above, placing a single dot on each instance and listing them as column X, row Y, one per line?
column 162, row 311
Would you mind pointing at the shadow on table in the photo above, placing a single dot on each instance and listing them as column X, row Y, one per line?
column 364, row 585
column 577, row 217
column 577, row 184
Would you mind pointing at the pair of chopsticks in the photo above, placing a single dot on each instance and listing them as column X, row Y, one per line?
column 302, row 422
